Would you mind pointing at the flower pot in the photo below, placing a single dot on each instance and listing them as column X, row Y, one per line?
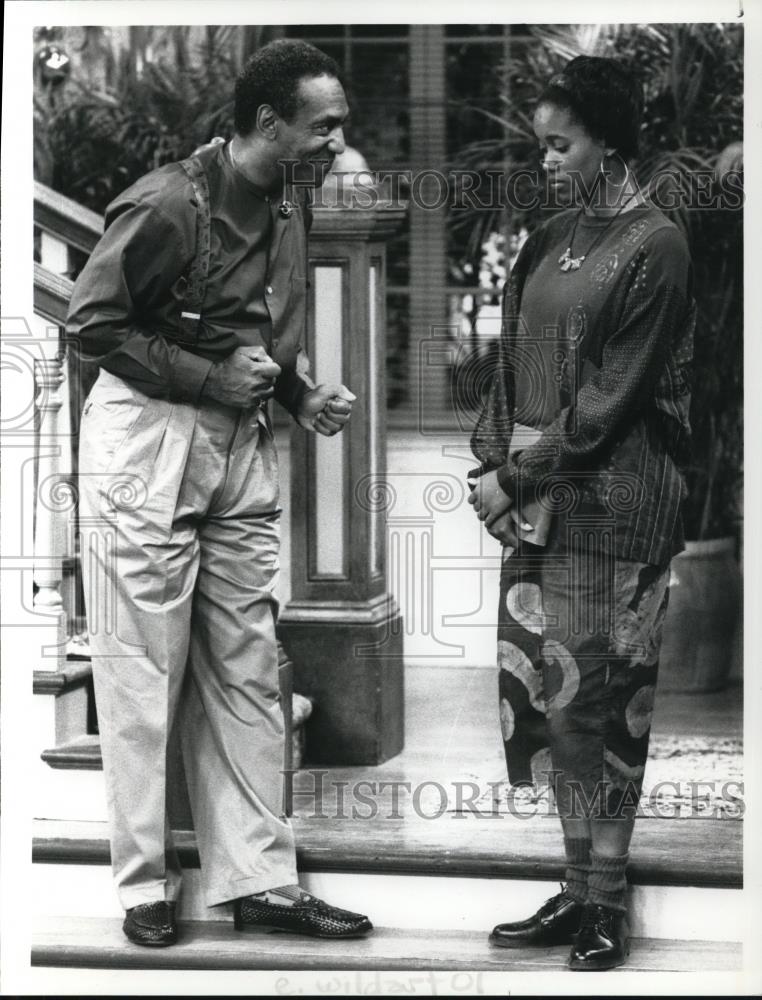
column 700, row 636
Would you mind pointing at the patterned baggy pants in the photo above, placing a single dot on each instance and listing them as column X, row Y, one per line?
column 578, row 645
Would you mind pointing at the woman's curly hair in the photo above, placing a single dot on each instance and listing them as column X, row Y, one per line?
column 604, row 97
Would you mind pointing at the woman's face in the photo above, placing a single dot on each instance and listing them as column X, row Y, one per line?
column 570, row 157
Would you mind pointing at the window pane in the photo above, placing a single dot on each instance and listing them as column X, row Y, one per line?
column 397, row 344
column 378, row 94
column 312, row 31
column 398, row 254
column 474, row 30
column 473, row 80
column 379, row 30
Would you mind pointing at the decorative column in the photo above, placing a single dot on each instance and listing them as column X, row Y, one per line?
column 340, row 613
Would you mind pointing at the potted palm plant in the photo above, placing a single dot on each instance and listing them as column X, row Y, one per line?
column 119, row 114
column 693, row 83
column 701, row 643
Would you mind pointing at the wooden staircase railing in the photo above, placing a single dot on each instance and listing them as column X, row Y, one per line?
column 67, row 223
column 64, row 232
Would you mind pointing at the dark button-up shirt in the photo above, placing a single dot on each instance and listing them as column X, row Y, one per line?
column 619, row 334
column 125, row 309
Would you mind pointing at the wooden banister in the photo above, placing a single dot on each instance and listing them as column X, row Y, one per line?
column 73, row 224
column 51, row 294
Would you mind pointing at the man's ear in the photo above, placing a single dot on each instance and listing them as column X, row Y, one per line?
column 267, row 121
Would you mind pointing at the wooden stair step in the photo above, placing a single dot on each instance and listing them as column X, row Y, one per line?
column 91, row 943
column 670, row 852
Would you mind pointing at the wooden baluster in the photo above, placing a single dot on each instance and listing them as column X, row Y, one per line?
column 53, row 493
column 53, row 502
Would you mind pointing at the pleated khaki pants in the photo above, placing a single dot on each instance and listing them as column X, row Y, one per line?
column 179, row 522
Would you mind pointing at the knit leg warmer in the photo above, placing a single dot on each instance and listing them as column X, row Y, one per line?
column 607, row 884
column 577, row 866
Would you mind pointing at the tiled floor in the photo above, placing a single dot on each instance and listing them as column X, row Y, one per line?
column 454, row 708
column 717, row 714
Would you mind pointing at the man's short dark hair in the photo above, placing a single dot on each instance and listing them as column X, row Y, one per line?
column 272, row 75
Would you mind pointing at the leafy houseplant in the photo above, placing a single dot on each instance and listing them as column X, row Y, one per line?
column 124, row 111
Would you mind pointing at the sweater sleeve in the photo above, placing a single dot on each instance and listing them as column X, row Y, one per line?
column 492, row 434
column 622, row 379
column 136, row 262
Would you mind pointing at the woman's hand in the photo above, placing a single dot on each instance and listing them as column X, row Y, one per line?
column 504, row 530
column 489, row 498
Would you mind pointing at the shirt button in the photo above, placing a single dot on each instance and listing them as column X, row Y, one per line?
column 269, row 289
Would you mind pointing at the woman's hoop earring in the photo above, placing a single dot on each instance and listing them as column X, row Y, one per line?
column 626, row 169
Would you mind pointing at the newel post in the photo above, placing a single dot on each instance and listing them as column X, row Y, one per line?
column 342, row 627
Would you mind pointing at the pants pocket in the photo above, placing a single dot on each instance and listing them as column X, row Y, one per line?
column 111, row 410
column 132, row 474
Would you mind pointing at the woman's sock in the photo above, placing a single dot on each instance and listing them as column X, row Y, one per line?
column 577, row 866
column 607, row 884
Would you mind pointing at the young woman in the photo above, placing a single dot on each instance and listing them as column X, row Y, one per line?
column 581, row 442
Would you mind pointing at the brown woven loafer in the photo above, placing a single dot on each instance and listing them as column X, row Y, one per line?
column 309, row 916
column 151, row 924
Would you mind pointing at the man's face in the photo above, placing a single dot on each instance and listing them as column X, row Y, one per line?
column 314, row 136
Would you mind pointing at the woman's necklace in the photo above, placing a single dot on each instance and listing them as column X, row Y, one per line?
column 569, row 263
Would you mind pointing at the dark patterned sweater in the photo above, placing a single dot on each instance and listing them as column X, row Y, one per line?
column 615, row 338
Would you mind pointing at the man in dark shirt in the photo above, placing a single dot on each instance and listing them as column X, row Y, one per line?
column 179, row 496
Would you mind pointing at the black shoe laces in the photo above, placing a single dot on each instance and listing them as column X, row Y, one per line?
column 555, row 902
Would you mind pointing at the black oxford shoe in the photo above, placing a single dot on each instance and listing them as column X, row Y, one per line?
column 603, row 941
column 151, row 924
column 309, row 916
column 556, row 922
